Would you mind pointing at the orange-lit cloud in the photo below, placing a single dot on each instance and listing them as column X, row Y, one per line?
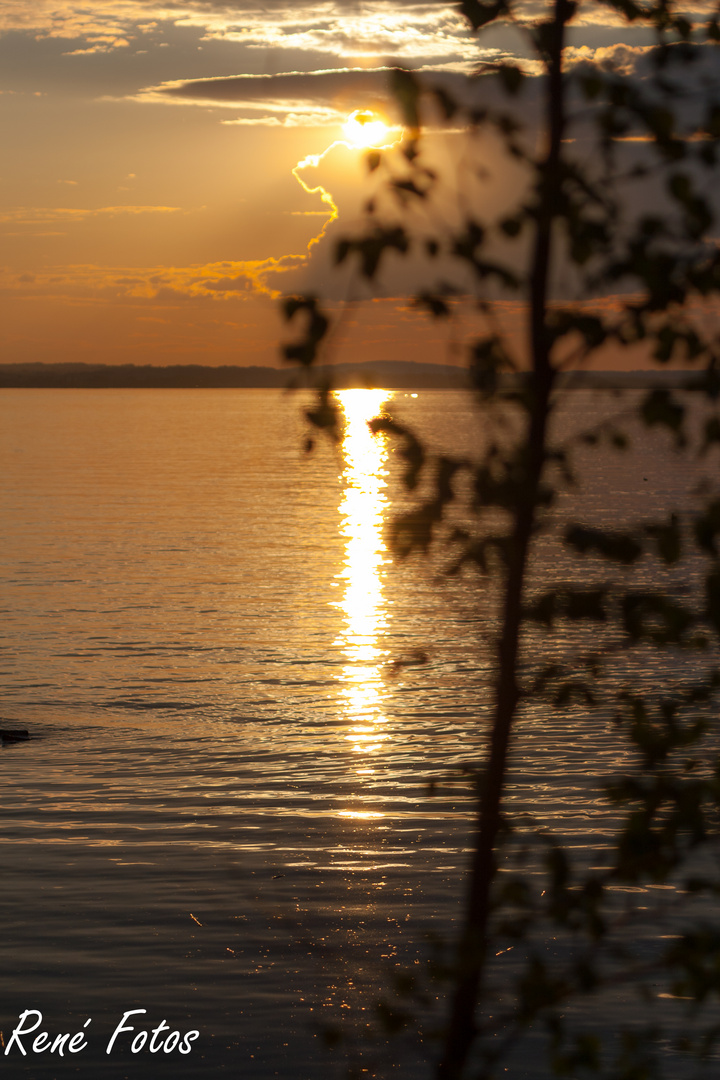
column 213, row 281
column 25, row 215
column 620, row 58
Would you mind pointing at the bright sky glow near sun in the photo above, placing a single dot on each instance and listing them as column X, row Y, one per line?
column 364, row 128
column 170, row 167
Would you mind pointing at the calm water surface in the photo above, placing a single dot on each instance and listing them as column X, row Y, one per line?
column 223, row 817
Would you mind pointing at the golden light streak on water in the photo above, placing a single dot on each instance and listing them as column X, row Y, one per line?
column 362, row 510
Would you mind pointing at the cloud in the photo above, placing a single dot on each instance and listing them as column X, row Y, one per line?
column 341, row 27
column 308, row 34
column 100, row 45
column 404, row 31
column 621, row 58
column 689, row 83
column 407, row 31
column 103, row 29
column 166, row 285
column 324, row 97
column 24, row 215
column 310, row 118
column 318, row 98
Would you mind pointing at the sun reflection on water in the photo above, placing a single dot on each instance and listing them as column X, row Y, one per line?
column 362, row 511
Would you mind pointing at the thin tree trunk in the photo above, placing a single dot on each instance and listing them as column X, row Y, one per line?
column 460, row 1032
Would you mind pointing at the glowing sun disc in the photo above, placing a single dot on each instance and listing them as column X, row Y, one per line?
column 364, row 129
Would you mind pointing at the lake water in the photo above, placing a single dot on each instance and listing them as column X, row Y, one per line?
column 223, row 815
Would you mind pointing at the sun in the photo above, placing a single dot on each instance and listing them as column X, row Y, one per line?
column 364, row 129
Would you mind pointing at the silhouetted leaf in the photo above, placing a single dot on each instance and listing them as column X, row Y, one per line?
column 511, row 77
column 616, row 546
column 481, row 13
column 317, row 324
column 405, row 88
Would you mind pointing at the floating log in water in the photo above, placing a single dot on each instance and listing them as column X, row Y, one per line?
column 14, row 734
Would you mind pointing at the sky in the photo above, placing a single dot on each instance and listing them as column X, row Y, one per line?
column 149, row 211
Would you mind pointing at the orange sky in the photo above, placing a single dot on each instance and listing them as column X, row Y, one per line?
column 148, row 210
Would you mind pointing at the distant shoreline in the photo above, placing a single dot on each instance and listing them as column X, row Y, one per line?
column 393, row 375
